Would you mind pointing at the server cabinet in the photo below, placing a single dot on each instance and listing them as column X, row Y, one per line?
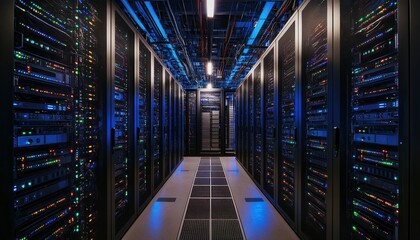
column 229, row 122
column 179, row 124
column 210, row 120
column 53, row 166
column 245, row 131
column 237, row 125
column 121, row 133
column 165, row 123
column 315, row 119
column 173, row 126
column 177, row 119
column 250, row 118
column 156, row 141
column 239, row 131
column 192, row 147
column 258, row 123
column 269, row 135
column 287, row 115
column 378, row 159
column 143, row 124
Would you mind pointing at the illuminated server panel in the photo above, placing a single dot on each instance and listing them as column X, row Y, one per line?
column 44, row 114
column 210, row 106
column 177, row 119
column 183, row 121
column 86, row 120
column 172, row 112
column 229, row 121
column 251, row 120
column 192, row 121
column 165, row 123
column 269, row 124
column 314, row 47
column 122, row 160
column 288, row 130
column 143, row 130
column 239, row 128
column 156, row 124
column 374, row 177
column 179, row 123
column 258, row 131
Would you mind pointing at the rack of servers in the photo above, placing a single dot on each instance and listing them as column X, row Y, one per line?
column 210, row 122
column 322, row 121
column 93, row 121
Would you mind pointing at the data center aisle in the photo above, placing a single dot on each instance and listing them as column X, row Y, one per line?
column 201, row 189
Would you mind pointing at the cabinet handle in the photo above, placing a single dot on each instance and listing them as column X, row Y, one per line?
column 336, row 136
column 295, row 134
column 112, row 139
column 138, row 134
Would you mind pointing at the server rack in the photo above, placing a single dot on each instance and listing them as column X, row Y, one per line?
column 79, row 149
column 48, row 158
column 288, row 116
column 249, row 163
column 191, row 115
column 122, row 125
column 210, row 112
column 229, row 122
column 269, row 143
column 172, row 112
column 245, row 122
column 156, row 140
column 143, row 124
column 177, row 123
column 343, row 113
column 316, row 117
column 377, row 146
column 258, row 123
column 165, row 123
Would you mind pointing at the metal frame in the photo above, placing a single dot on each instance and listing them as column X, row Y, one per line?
column 7, row 12
column 131, row 111
column 414, row 119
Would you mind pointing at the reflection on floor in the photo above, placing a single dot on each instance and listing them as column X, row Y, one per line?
column 202, row 189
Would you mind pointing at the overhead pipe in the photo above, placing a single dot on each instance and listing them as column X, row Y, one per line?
column 180, row 38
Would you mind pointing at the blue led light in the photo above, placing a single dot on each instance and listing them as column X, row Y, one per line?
column 264, row 14
column 261, row 20
column 133, row 15
column 165, row 36
column 156, row 19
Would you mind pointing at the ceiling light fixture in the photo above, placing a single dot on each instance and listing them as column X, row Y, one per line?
column 210, row 8
column 209, row 68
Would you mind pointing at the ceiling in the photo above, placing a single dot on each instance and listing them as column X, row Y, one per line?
column 233, row 40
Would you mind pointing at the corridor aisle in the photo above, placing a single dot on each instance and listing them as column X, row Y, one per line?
column 202, row 188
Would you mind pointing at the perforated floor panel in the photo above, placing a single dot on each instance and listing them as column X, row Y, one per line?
column 226, row 229
column 195, row 230
column 202, row 181
column 223, row 209
column 218, row 181
column 210, row 200
column 220, row 191
column 200, row 191
column 198, row 209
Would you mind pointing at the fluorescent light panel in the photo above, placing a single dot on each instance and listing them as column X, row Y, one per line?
column 209, row 68
column 210, row 8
